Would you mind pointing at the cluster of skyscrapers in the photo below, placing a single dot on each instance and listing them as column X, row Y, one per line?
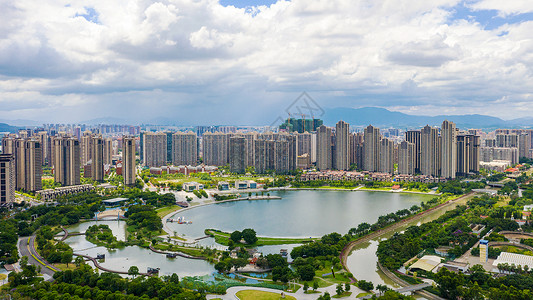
column 24, row 156
column 443, row 152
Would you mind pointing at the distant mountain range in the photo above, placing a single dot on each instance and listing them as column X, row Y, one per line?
column 7, row 128
column 376, row 116
column 382, row 117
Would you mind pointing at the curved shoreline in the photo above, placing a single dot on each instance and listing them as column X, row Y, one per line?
column 170, row 232
column 345, row 253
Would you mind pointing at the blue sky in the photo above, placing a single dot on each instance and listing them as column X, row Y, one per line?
column 230, row 62
column 246, row 3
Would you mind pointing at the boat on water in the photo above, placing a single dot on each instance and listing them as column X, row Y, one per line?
column 180, row 220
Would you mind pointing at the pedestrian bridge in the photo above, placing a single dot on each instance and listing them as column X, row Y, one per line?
column 404, row 290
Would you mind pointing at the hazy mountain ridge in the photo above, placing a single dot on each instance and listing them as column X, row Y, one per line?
column 385, row 118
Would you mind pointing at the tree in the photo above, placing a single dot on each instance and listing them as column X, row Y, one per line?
column 221, row 267
column 382, row 288
column 23, row 261
column 249, row 236
column 236, row 236
column 347, row 286
column 306, row 272
column 275, row 260
column 79, row 261
column 315, row 285
column 365, row 285
column 339, row 290
column 133, row 270
column 239, row 263
column 66, row 257
column 306, row 287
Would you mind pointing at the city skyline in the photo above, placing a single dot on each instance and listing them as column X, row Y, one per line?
column 81, row 61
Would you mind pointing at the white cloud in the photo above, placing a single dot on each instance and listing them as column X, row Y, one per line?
column 406, row 52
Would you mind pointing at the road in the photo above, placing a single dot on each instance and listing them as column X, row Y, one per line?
column 28, row 250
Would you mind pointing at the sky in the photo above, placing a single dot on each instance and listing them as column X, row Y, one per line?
column 244, row 62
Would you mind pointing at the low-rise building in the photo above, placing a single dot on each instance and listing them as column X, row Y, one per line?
column 223, row 186
column 192, row 186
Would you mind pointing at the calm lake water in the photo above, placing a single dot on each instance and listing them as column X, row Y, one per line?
column 299, row 214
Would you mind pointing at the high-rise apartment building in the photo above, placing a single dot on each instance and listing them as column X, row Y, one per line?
column 413, row 136
column 371, row 149
column 7, row 179
column 342, row 146
column 86, row 147
column 250, row 138
column 184, row 149
column 97, row 157
column 507, row 140
column 66, row 160
column 27, row 155
column 386, row 161
column 524, row 144
column 467, row 153
column 155, row 149
column 324, row 159
column 237, row 154
column 356, row 149
column 448, row 151
column 406, row 158
column 429, row 151
column 304, row 143
column 215, row 148
column 128, row 161
column 45, row 147
column 108, row 151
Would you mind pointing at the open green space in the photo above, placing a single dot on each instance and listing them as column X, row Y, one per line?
column 260, row 295
column 223, row 238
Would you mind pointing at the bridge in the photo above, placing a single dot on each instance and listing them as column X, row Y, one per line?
column 403, row 290
column 67, row 234
column 96, row 264
column 176, row 253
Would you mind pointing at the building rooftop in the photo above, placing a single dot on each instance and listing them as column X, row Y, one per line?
column 115, row 200
column 514, row 258
column 426, row 263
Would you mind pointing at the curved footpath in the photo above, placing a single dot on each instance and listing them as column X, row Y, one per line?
column 96, row 264
column 26, row 246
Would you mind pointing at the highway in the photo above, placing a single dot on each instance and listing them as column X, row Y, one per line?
column 28, row 250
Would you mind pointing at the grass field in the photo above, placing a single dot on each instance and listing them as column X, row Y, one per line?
column 223, row 237
column 260, row 295
column 163, row 211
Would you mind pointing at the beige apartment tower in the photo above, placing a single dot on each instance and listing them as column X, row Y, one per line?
column 155, row 149
column 7, row 179
column 184, row 149
column 97, row 154
column 324, row 159
column 386, row 161
column 406, row 158
column 429, row 151
column 342, row 146
column 215, row 148
column 371, row 151
column 66, row 160
column 448, row 151
column 128, row 161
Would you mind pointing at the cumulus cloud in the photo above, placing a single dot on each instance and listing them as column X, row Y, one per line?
column 98, row 56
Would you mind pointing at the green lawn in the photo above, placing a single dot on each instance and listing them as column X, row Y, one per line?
column 163, row 211
column 222, row 238
column 260, row 295
column 345, row 294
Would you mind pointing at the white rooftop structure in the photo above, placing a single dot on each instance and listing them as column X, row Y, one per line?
column 514, row 258
column 426, row 263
